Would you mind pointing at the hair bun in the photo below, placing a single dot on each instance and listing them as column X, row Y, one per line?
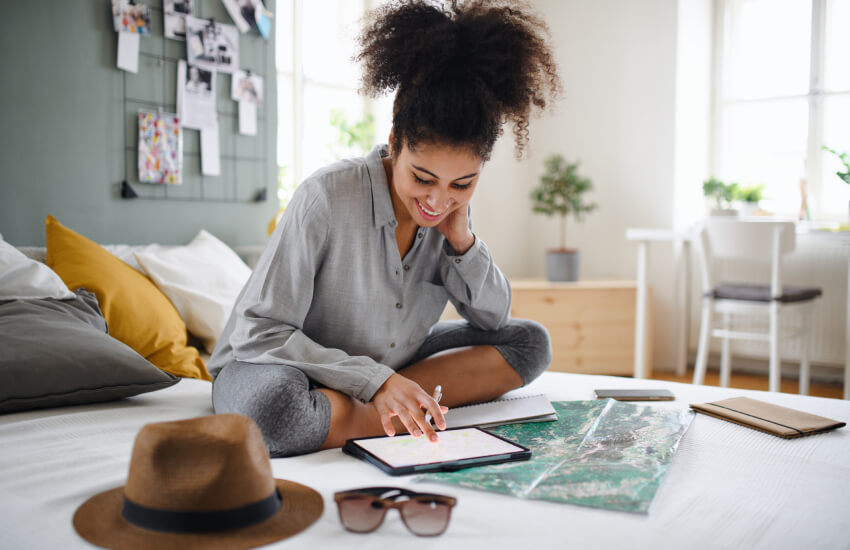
column 485, row 61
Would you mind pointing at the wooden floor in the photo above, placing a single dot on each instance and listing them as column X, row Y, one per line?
column 755, row 382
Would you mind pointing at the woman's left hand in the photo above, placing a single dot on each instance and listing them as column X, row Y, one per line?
column 455, row 228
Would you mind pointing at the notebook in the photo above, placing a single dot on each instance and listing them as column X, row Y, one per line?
column 511, row 410
column 769, row 418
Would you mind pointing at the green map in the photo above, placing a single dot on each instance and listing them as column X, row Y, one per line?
column 602, row 453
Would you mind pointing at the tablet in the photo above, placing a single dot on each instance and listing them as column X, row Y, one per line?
column 456, row 449
column 635, row 395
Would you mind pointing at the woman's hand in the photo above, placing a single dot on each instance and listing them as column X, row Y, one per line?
column 404, row 398
column 455, row 228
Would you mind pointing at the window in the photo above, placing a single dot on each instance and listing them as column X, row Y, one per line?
column 782, row 93
column 315, row 42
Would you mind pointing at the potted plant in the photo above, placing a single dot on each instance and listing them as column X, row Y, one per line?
column 845, row 160
column 561, row 191
column 723, row 195
column 750, row 196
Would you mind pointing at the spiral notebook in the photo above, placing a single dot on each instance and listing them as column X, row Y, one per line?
column 511, row 410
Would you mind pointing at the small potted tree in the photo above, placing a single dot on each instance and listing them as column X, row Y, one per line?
column 561, row 192
column 723, row 194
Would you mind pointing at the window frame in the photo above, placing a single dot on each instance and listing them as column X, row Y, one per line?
column 815, row 97
column 298, row 81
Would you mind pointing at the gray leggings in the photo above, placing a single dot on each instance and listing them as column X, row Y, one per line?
column 294, row 417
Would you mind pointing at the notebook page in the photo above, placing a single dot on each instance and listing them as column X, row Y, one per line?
column 504, row 411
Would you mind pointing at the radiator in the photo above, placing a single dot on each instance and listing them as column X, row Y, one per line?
column 820, row 260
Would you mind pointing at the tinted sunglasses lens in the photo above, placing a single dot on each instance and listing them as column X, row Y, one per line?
column 426, row 517
column 360, row 514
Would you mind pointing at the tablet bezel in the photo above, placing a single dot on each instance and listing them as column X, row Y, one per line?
column 352, row 448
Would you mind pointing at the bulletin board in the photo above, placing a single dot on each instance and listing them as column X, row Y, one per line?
column 248, row 165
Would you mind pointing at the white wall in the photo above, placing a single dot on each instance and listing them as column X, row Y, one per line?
column 618, row 117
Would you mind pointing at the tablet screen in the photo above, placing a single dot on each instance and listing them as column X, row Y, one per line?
column 406, row 450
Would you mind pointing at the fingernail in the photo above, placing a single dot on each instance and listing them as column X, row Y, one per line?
column 434, row 438
column 417, row 433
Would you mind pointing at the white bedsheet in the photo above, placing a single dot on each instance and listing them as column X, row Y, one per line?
column 727, row 487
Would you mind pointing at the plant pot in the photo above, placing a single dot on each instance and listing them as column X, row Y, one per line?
column 749, row 209
column 723, row 212
column 562, row 265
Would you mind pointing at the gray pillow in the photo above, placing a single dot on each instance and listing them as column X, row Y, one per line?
column 58, row 352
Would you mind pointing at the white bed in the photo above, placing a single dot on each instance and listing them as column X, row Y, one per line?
column 727, row 487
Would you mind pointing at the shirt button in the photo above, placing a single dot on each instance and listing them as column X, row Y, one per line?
column 457, row 260
column 392, row 345
column 407, row 268
column 398, row 305
column 419, row 235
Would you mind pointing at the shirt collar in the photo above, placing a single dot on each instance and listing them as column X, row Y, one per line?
column 382, row 203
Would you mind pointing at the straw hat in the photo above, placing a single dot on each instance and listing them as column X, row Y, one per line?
column 199, row 483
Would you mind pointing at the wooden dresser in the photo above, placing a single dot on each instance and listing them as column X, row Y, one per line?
column 592, row 323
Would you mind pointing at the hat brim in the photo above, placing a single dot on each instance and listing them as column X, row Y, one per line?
column 99, row 521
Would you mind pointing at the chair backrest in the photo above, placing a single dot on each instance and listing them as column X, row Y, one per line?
column 745, row 239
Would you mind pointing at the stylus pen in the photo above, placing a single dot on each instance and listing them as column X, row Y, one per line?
column 438, row 393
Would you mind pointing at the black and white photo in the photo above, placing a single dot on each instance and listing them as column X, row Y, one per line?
column 174, row 13
column 195, row 96
column 212, row 46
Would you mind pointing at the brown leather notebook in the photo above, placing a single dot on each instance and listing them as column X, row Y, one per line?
column 769, row 418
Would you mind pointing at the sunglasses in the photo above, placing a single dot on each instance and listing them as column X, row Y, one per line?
column 424, row 514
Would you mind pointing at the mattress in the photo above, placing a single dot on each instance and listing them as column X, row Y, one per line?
column 727, row 486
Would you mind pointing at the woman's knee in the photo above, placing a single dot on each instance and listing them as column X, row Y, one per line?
column 292, row 418
column 528, row 350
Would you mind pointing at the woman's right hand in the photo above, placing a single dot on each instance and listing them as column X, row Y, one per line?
column 404, row 398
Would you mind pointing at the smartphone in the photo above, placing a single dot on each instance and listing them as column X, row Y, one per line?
column 635, row 395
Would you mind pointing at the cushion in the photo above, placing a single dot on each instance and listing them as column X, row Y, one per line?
column 57, row 352
column 761, row 293
column 127, row 253
column 136, row 311
column 202, row 280
column 21, row 277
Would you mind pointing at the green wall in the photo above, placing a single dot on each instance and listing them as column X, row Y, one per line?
column 68, row 134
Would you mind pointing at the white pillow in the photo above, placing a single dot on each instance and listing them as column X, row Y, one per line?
column 202, row 280
column 24, row 278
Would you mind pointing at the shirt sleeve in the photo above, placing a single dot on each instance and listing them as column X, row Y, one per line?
column 476, row 286
column 270, row 313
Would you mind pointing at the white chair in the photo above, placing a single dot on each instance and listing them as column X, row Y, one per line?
column 730, row 239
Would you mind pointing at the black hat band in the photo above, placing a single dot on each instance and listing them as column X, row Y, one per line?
column 178, row 521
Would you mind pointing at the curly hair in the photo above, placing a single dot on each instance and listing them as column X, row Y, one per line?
column 459, row 70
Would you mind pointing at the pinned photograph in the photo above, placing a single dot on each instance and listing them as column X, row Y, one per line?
column 160, row 148
column 249, row 13
column 131, row 17
column 200, row 82
column 242, row 12
column 195, row 96
column 246, row 86
column 212, row 46
column 247, row 89
column 174, row 13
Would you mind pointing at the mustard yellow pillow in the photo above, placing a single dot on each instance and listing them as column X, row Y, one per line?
column 136, row 311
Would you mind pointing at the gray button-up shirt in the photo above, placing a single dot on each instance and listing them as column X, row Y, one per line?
column 331, row 296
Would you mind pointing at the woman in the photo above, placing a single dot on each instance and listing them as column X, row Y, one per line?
column 336, row 334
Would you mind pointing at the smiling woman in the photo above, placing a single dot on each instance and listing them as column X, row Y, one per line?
column 336, row 333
